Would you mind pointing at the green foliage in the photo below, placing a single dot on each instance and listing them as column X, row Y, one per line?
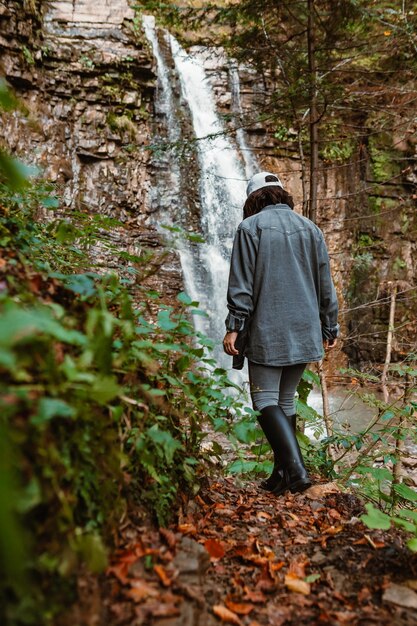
column 94, row 390
column 102, row 402
column 384, row 160
column 405, row 518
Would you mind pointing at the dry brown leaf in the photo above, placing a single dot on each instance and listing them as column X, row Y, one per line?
column 318, row 491
column 275, row 567
column 334, row 514
column 254, row 596
column 263, row 516
column 297, row 585
column 226, row 615
column 187, row 529
column 140, row 590
column 215, row 548
column 119, row 570
column 301, row 540
column 333, row 530
column 162, row 575
column 297, row 567
column 241, row 608
column 359, row 542
column 169, row 537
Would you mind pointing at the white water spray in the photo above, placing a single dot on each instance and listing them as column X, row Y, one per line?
column 222, row 182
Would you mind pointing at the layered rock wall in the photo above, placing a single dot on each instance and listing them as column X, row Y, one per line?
column 85, row 75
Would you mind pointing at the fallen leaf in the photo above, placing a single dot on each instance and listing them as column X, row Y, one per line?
column 226, row 615
column 275, row 567
column 332, row 530
column 301, row 540
column 318, row 491
column 214, row 548
column 119, row 570
column 297, row 567
column 359, row 542
column 241, row 608
column 187, row 529
column 297, row 585
column 169, row 537
column 162, row 575
column 201, row 502
column 334, row 514
column 263, row 516
column 140, row 590
column 254, row 596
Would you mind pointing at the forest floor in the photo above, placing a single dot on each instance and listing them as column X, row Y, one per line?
column 237, row 555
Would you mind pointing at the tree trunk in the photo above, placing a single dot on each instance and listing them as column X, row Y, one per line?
column 326, row 408
column 390, row 335
column 313, row 128
column 399, row 441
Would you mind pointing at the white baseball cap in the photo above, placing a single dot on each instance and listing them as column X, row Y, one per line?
column 258, row 181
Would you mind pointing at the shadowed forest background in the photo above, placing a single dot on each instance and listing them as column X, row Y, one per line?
column 129, row 455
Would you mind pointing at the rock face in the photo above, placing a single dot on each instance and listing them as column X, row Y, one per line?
column 85, row 75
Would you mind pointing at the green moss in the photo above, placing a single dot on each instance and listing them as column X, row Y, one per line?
column 28, row 56
column 337, row 148
column 121, row 123
column 383, row 159
column 377, row 204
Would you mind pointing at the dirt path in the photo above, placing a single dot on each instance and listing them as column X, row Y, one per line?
column 242, row 557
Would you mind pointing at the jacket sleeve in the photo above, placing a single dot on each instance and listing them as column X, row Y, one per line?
column 240, row 288
column 328, row 300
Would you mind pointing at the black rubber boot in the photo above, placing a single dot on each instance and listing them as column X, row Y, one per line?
column 290, row 472
column 293, row 420
column 271, row 482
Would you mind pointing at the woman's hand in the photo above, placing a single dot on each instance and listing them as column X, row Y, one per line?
column 329, row 344
column 229, row 343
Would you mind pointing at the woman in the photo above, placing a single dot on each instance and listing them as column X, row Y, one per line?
column 282, row 310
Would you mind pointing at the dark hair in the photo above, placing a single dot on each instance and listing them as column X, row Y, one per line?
column 273, row 194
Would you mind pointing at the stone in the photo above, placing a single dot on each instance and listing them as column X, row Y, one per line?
column 401, row 596
column 191, row 560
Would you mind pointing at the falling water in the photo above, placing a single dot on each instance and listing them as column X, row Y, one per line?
column 250, row 161
column 168, row 194
column 222, row 182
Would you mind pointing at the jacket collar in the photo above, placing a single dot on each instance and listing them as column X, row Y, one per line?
column 276, row 206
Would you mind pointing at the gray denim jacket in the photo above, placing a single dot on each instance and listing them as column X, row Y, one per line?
column 280, row 289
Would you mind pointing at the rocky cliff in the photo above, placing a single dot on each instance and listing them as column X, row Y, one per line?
column 86, row 79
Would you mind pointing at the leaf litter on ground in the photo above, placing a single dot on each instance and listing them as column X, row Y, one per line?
column 238, row 555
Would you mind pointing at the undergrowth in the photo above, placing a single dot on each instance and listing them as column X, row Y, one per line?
column 106, row 395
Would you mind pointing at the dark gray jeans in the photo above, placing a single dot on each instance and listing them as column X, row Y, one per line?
column 271, row 385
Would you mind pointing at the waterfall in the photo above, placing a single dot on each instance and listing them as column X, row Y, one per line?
column 222, row 179
column 250, row 161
